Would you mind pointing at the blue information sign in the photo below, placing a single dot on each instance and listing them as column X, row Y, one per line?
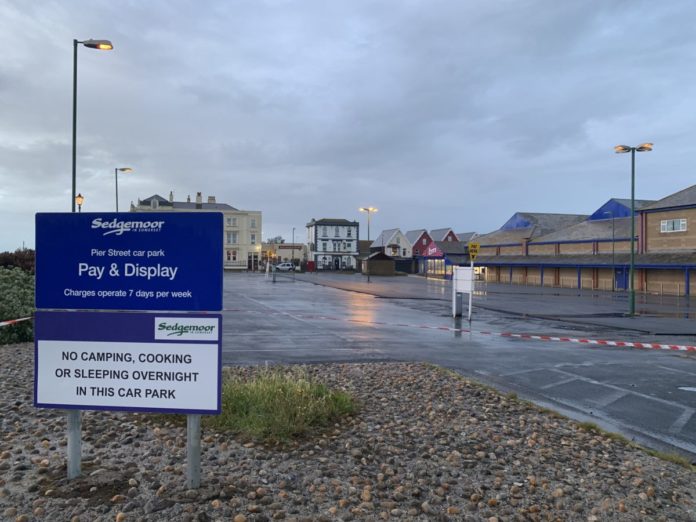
column 129, row 261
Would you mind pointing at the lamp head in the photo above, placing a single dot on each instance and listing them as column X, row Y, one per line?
column 620, row 149
column 644, row 147
column 367, row 209
column 124, row 169
column 102, row 45
column 79, row 199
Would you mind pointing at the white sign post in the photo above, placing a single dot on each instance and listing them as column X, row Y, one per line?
column 463, row 283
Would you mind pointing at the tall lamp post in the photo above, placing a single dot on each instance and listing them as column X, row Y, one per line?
column 102, row 45
column 293, row 253
column 75, row 416
column 116, row 171
column 369, row 211
column 613, row 251
column 622, row 149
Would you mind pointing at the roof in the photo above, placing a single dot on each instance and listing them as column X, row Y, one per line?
column 504, row 237
column 524, row 226
column 184, row 205
column 452, row 247
column 439, row 234
column 543, row 221
column 383, row 239
column 413, row 235
column 379, row 256
column 364, row 247
column 618, row 208
column 682, row 198
column 332, row 221
column 590, row 230
column 465, row 237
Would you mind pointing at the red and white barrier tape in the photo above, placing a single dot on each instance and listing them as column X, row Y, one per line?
column 575, row 340
column 13, row 321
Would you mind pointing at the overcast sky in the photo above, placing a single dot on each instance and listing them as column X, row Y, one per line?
column 440, row 113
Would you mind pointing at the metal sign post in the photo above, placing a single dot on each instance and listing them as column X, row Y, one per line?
column 193, row 451
column 471, row 291
column 473, row 252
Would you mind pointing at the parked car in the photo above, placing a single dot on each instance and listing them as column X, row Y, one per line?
column 284, row 267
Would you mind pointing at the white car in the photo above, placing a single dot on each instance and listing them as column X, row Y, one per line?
column 284, row 267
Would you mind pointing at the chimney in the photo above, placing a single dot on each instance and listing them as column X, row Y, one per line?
column 171, row 196
column 199, row 200
column 211, row 199
column 188, row 198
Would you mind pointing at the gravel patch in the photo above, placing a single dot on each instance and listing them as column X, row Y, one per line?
column 426, row 445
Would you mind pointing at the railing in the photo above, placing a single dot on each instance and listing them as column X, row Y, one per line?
column 235, row 265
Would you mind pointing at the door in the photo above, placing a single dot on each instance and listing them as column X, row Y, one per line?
column 337, row 263
column 621, row 279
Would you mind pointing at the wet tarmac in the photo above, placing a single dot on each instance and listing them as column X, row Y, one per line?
column 646, row 395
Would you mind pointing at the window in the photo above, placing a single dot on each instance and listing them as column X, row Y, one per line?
column 324, row 233
column 403, row 252
column 323, row 246
column 425, row 241
column 231, row 255
column 336, row 234
column 229, row 223
column 253, row 223
column 252, row 239
column 232, row 238
column 673, row 225
column 349, row 232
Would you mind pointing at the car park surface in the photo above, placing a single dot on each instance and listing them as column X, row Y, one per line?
column 644, row 394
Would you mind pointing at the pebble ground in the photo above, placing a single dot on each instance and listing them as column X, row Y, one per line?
column 425, row 445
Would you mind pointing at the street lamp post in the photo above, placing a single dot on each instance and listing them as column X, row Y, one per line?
column 622, row 149
column 103, row 45
column 613, row 251
column 79, row 199
column 293, row 253
column 369, row 211
column 74, row 449
column 116, row 171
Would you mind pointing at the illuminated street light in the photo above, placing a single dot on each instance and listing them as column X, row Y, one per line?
column 369, row 211
column 102, row 45
column 79, row 199
column 623, row 149
column 116, row 171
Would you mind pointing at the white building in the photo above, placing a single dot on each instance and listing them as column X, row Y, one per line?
column 242, row 228
column 333, row 243
column 394, row 243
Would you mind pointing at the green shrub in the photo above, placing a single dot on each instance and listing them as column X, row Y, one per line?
column 16, row 301
column 276, row 405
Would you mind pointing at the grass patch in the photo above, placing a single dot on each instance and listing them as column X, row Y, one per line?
column 275, row 405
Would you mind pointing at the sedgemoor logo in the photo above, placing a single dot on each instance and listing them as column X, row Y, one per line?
column 193, row 329
column 118, row 226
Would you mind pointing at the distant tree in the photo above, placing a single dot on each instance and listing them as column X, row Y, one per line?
column 278, row 240
column 21, row 258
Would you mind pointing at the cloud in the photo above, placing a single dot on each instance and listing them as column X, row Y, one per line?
column 439, row 113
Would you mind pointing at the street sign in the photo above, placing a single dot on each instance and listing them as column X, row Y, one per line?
column 154, row 362
column 129, row 261
column 473, row 250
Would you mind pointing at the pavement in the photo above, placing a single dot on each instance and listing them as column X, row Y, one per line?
column 649, row 396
